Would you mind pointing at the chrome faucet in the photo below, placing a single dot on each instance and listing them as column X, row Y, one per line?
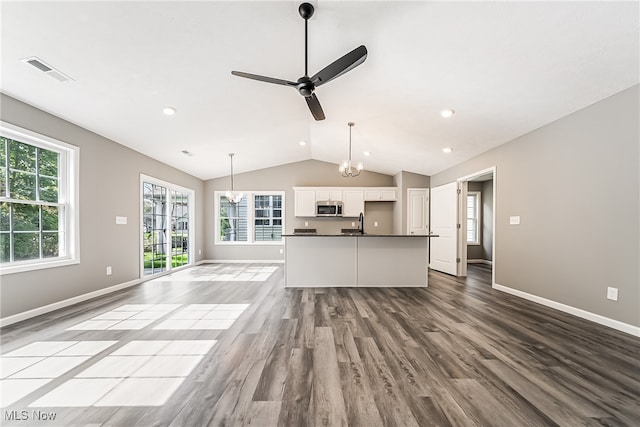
column 361, row 223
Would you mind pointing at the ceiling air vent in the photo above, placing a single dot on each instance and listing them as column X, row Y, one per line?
column 47, row 69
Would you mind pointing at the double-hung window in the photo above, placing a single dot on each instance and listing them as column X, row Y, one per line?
column 256, row 219
column 473, row 217
column 38, row 201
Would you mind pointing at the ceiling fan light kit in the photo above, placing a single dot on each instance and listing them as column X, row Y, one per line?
column 306, row 85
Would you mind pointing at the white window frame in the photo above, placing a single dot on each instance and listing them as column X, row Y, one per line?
column 250, row 219
column 478, row 196
column 68, row 200
column 192, row 224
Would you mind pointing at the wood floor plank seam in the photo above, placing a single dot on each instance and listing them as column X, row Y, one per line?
column 457, row 353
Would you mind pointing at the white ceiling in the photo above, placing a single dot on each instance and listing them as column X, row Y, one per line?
column 507, row 68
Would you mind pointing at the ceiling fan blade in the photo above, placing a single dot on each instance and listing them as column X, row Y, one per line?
column 340, row 66
column 314, row 106
column 263, row 78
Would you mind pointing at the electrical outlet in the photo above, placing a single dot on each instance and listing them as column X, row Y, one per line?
column 375, row 223
column 281, row 251
column 199, row 251
column 612, row 294
column 306, row 223
column 353, row 224
column 109, row 270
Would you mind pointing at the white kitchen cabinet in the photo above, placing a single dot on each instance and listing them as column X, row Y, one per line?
column 380, row 195
column 305, row 203
column 329, row 195
column 353, row 202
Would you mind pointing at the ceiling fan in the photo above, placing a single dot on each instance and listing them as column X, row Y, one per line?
column 306, row 85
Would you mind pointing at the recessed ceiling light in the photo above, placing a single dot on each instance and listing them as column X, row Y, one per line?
column 169, row 111
column 447, row 113
column 302, row 143
column 447, row 150
column 367, row 153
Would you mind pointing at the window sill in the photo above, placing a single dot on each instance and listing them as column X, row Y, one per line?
column 25, row 266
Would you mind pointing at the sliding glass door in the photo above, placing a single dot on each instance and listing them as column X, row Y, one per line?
column 166, row 226
column 179, row 228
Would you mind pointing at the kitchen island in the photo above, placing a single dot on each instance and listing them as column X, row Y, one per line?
column 364, row 260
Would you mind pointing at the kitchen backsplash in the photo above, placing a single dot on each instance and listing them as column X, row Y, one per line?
column 380, row 212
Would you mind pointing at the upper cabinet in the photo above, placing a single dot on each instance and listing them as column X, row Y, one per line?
column 353, row 202
column 352, row 198
column 329, row 195
column 305, row 202
column 380, row 195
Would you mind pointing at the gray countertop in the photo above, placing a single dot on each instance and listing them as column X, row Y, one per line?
column 360, row 235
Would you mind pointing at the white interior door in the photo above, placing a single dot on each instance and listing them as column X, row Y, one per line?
column 444, row 220
column 418, row 211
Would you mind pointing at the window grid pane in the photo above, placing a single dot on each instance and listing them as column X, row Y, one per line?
column 233, row 220
column 179, row 227
column 268, row 218
column 31, row 219
column 256, row 218
column 472, row 218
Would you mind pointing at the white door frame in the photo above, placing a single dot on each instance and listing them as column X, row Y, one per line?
column 462, row 231
column 190, row 243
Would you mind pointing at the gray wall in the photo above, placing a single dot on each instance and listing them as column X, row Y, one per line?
column 308, row 173
column 575, row 184
column 404, row 180
column 109, row 186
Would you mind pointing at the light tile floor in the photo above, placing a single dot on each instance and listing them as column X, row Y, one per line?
column 126, row 317
column 225, row 273
column 141, row 372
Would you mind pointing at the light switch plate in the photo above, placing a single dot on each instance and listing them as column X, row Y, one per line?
column 514, row 220
column 121, row 220
column 612, row 294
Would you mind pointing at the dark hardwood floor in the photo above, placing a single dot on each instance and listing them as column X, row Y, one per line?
column 456, row 353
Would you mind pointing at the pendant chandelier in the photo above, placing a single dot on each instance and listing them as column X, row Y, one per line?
column 346, row 167
column 233, row 196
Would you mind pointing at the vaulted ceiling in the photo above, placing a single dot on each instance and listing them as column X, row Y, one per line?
column 506, row 68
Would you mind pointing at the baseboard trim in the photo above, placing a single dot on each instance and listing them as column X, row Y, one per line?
column 480, row 261
column 615, row 324
column 19, row 317
column 243, row 261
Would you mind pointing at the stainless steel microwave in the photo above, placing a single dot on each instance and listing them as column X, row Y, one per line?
column 329, row 208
